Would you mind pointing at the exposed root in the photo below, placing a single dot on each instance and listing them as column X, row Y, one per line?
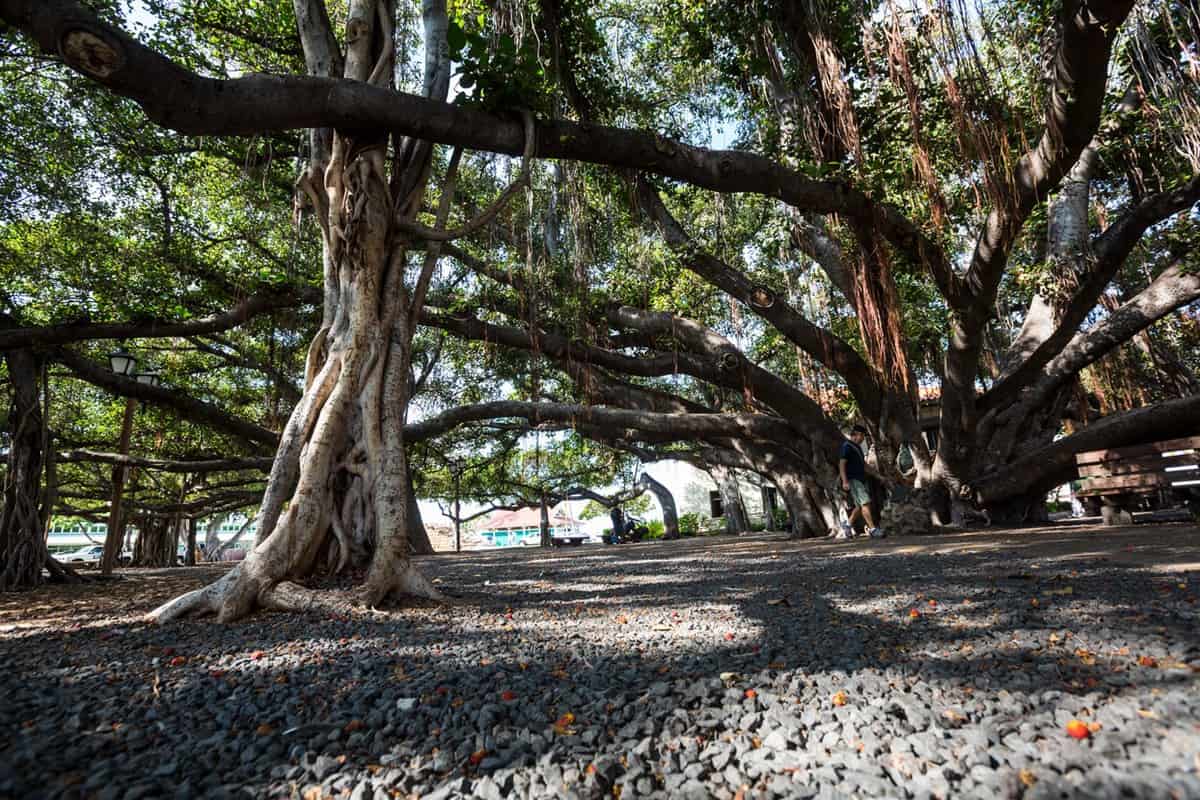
column 293, row 597
column 343, row 542
column 410, row 581
column 61, row 573
column 199, row 602
column 413, row 582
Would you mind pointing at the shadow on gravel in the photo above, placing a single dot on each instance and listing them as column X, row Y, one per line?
column 657, row 642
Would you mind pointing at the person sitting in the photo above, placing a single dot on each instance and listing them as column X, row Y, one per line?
column 618, row 523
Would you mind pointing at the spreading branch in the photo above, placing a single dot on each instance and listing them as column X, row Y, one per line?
column 754, row 426
column 176, row 98
column 263, row 464
column 188, row 407
column 254, row 305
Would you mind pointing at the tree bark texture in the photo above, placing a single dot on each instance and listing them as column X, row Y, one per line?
column 736, row 519
column 666, row 502
column 116, row 520
column 22, row 544
column 340, row 492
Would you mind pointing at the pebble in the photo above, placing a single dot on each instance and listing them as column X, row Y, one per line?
column 696, row 686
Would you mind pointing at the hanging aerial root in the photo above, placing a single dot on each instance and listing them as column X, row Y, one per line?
column 489, row 213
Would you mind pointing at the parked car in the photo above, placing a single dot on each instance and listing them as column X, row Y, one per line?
column 560, row 537
column 84, row 555
column 91, row 556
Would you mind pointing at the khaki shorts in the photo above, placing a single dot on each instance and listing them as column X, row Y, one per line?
column 860, row 495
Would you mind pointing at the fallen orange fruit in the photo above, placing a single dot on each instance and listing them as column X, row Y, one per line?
column 1077, row 729
column 1147, row 661
column 839, row 699
column 508, row 696
column 913, row 613
column 751, row 694
column 177, row 661
column 477, row 756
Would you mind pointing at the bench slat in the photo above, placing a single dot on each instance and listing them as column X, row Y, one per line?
column 1135, row 465
column 1131, row 483
column 1117, row 453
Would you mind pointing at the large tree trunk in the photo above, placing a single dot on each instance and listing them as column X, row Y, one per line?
column 418, row 537
column 22, row 546
column 342, row 469
column 736, row 520
column 212, row 535
column 666, row 502
column 547, row 540
column 189, row 558
column 155, row 545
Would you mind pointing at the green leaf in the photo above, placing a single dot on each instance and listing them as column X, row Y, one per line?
column 456, row 38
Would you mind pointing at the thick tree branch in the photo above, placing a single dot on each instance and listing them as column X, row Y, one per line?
column 252, row 306
column 181, row 100
column 1172, row 289
column 826, row 348
column 754, row 426
column 165, row 465
column 805, row 416
column 1169, row 291
column 1054, row 464
column 188, row 407
column 1072, row 118
column 1110, row 249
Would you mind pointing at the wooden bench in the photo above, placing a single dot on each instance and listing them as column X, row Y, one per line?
column 1117, row 476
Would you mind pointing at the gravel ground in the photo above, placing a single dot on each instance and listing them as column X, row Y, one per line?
column 723, row 668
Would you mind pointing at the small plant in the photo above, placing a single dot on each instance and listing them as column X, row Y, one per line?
column 689, row 524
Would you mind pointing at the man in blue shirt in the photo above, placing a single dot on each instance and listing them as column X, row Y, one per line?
column 618, row 523
column 852, row 466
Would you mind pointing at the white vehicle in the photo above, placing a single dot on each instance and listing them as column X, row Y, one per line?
column 92, row 554
column 84, row 555
column 567, row 536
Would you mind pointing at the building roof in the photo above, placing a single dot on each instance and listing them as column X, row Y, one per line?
column 521, row 518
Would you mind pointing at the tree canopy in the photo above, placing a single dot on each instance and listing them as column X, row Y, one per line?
column 499, row 251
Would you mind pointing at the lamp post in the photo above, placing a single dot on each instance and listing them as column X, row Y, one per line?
column 123, row 363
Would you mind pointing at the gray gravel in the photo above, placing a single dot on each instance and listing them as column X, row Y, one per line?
column 723, row 668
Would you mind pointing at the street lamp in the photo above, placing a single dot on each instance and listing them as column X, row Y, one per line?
column 122, row 361
column 149, row 378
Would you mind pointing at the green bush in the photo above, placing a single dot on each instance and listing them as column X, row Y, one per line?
column 657, row 529
column 689, row 524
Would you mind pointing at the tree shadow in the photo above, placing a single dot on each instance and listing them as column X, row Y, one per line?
column 648, row 647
